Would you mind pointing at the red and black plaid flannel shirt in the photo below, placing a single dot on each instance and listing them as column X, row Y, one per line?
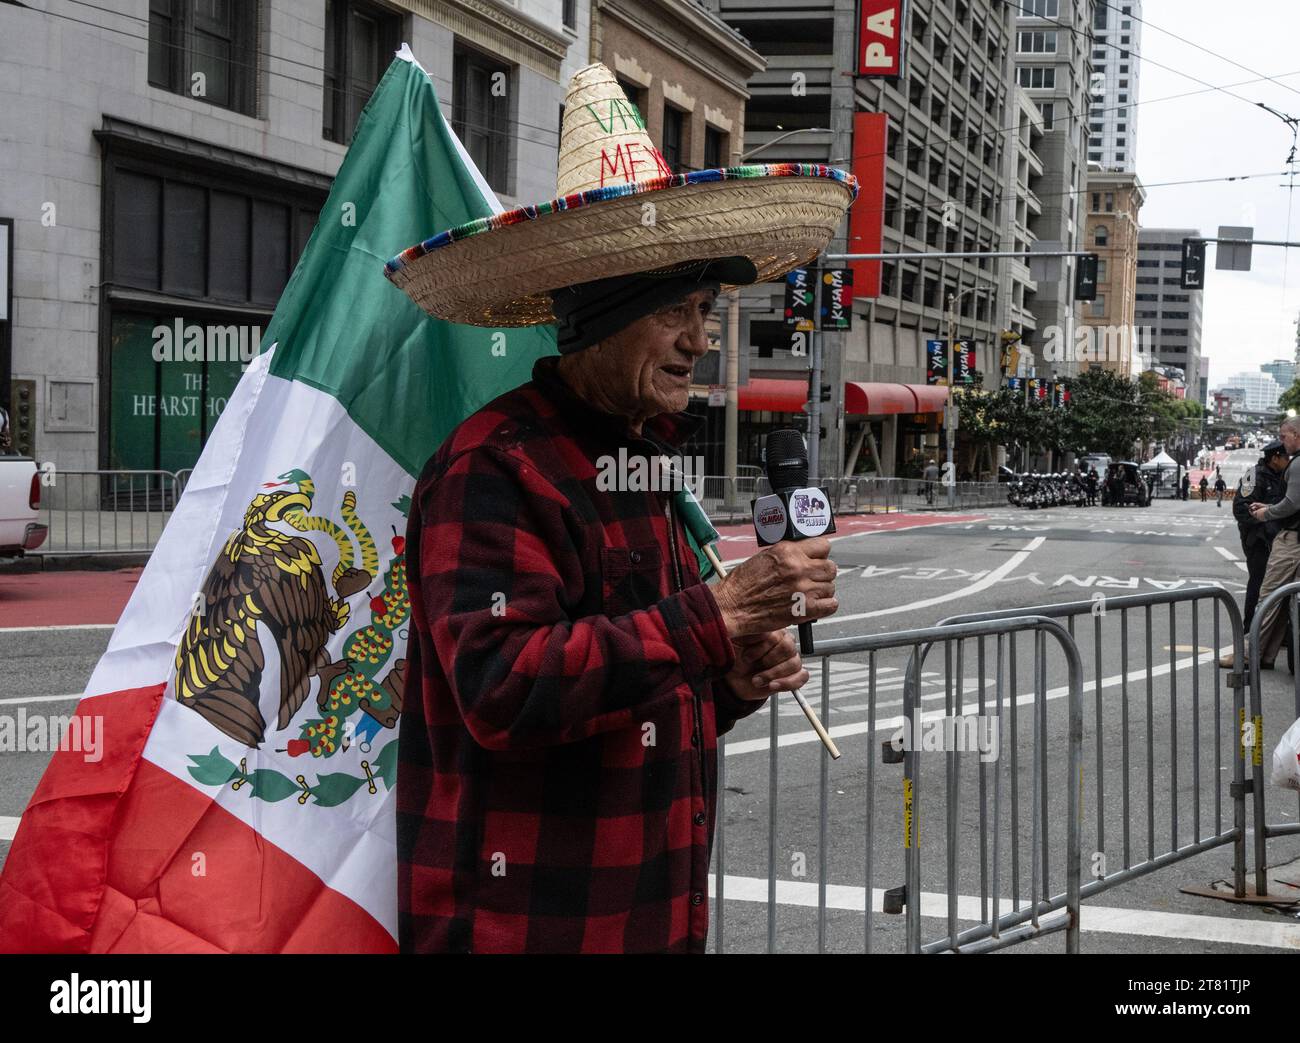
column 558, row 752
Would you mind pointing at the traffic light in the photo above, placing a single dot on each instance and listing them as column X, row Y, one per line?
column 1193, row 274
column 1085, row 278
column 826, row 393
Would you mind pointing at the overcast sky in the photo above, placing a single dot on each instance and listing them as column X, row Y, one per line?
column 1249, row 317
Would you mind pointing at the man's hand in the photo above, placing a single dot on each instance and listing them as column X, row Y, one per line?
column 1257, row 510
column 765, row 664
column 786, row 583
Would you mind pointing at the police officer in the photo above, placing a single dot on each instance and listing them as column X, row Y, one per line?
column 1263, row 485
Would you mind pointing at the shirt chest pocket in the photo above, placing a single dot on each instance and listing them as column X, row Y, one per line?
column 632, row 578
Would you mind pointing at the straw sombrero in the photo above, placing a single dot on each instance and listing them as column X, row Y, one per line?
column 619, row 211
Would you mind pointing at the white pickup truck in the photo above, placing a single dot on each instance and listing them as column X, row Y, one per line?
column 21, row 529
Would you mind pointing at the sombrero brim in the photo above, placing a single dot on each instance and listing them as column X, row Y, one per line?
column 498, row 270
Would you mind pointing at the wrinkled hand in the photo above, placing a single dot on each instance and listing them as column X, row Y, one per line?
column 766, row 664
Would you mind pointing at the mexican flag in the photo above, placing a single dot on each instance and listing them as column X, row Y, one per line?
column 250, row 693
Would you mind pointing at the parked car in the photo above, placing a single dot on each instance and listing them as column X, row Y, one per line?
column 20, row 499
column 1124, row 485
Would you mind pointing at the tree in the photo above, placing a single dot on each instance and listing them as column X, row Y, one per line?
column 1290, row 398
column 1108, row 414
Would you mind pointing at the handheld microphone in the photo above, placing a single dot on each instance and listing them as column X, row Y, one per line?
column 792, row 510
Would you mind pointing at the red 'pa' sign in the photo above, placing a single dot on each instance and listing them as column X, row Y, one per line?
column 880, row 34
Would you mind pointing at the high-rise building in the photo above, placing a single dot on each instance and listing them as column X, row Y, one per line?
column 1281, row 370
column 1260, row 392
column 947, row 159
column 1114, row 200
column 1170, row 315
column 1053, row 59
column 1112, row 116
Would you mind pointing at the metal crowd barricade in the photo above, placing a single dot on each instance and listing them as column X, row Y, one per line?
column 1035, row 913
column 1285, row 597
column 1227, row 737
column 107, row 511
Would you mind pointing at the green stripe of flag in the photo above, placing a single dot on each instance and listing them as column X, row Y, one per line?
column 405, row 378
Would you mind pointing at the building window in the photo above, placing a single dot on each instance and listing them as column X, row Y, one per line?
column 358, row 42
column 570, row 14
column 1037, row 77
column 1099, row 306
column 1123, row 68
column 206, row 50
column 1039, row 8
column 1036, row 42
column 715, row 148
column 1123, row 39
column 207, row 249
column 1096, row 202
column 1110, row 202
column 480, row 113
column 673, row 137
column 1101, row 236
column 1119, row 155
column 1100, row 17
column 634, row 96
column 1101, row 270
column 1094, row 157
column 1048, row 109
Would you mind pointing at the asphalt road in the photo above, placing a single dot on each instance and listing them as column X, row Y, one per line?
column 901, row 572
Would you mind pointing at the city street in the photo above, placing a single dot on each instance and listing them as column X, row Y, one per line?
column 899, row 571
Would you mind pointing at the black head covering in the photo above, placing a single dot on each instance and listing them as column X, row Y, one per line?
column 589, row 312
column 1273, row 449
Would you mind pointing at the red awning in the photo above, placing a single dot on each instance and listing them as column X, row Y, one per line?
column 930, row 398
column 873, row 399
column 861, row 399
column 773, row 395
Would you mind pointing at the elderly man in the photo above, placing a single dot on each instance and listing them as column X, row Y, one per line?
column 557, row 781
column 1284, row 555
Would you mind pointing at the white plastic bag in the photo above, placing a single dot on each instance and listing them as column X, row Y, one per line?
column 1286, row 759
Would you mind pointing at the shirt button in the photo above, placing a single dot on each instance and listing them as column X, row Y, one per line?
column 697, row 898
column 699, row 818
column 636, row 557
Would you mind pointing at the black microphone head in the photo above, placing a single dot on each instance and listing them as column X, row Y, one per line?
column 787, row 459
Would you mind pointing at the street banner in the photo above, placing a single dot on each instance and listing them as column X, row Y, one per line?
column 250, row 693
column 836, row 310
column 800, row 297
column 880, row 37
column 936, row 370
column 867, row 214
column 964, row 365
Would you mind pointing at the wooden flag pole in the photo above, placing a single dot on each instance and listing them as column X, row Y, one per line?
column 808, row 711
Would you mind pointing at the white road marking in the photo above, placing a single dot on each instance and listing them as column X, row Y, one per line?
column 40, row 699
column 992, row 578
column 1232, row 558
column 63, row 626
column 798, row 738
column 1093, row 919
column 8, row 827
